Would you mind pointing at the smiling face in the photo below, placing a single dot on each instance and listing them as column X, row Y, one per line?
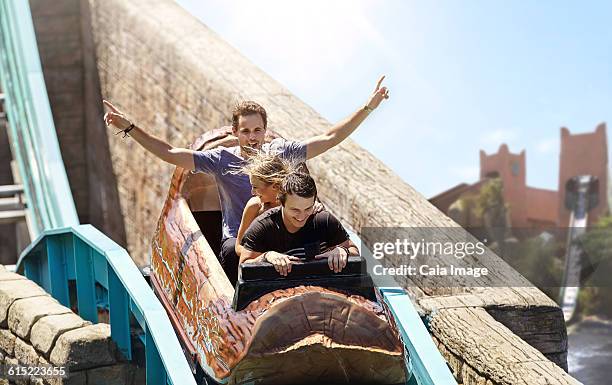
column 296, row 210
column 267, row 192
column 250, row 132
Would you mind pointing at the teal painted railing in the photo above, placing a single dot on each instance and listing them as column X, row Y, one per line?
column 425, row 361
column 106, row 278
column 31, row 129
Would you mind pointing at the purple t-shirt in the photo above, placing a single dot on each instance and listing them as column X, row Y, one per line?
column 234, row 187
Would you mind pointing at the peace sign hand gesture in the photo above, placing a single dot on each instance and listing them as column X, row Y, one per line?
column 378, row 95
column 115, row 117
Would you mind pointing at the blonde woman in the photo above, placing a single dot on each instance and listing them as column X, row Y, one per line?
column 266, row 174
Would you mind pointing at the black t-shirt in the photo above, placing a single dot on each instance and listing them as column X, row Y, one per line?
column 268, row 233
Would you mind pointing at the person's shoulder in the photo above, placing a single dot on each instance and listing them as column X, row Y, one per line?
column 216, row 150
column 323, row 214
column 230, row 160
column 233, row 151
column 277, row 142
column 277, row 145
column 271, row 215
column 264, row 222
column 325, row 218
column 210, row 155
column 253, row 205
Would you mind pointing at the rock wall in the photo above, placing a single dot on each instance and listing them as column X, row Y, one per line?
column 36, row 330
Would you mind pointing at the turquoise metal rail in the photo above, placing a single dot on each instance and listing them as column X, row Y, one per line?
column 106, row 278
column 425, row 361
column 31, row 128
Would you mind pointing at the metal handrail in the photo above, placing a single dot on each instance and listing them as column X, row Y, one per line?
column 31, row 130
column 426, row 363
column 106, row 277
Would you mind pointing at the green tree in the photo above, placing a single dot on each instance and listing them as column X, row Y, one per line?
column 596, row 296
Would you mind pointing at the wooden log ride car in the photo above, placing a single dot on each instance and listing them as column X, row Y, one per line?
column 313, row 326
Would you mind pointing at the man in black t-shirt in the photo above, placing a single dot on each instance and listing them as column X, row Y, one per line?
column 292, row 233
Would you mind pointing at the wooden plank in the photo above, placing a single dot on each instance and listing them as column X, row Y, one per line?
column 10, row 190
column 12, row 216
column 11, row 203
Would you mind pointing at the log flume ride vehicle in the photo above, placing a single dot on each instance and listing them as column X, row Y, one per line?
column 312, row 326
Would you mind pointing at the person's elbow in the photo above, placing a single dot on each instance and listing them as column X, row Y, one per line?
column 248, row 256
column 238, row 249
column 181, row 157
column 320, row 144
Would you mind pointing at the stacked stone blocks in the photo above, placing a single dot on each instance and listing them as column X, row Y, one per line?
column 36, row 330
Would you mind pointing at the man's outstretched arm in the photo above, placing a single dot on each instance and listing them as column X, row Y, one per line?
column 181, row 157
column 341, row 130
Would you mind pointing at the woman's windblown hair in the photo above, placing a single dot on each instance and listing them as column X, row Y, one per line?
column 270, row 169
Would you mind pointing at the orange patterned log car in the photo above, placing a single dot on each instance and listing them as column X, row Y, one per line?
column 296, row 333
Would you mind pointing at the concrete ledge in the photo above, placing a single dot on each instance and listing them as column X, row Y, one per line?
column 42, row 332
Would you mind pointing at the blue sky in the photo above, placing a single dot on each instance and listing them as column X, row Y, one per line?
column 463, row 75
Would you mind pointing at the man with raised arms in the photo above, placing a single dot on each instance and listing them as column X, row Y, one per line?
column 249, row 123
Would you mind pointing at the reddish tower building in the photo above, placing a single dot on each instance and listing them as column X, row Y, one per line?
column 510, row 168
column 529, row 206
column 581, row 154
column 584, row 154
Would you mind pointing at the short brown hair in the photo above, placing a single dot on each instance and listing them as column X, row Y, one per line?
column 248, row 107
column 297, row 183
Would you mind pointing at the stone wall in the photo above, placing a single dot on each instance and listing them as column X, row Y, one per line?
column 36, row 330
